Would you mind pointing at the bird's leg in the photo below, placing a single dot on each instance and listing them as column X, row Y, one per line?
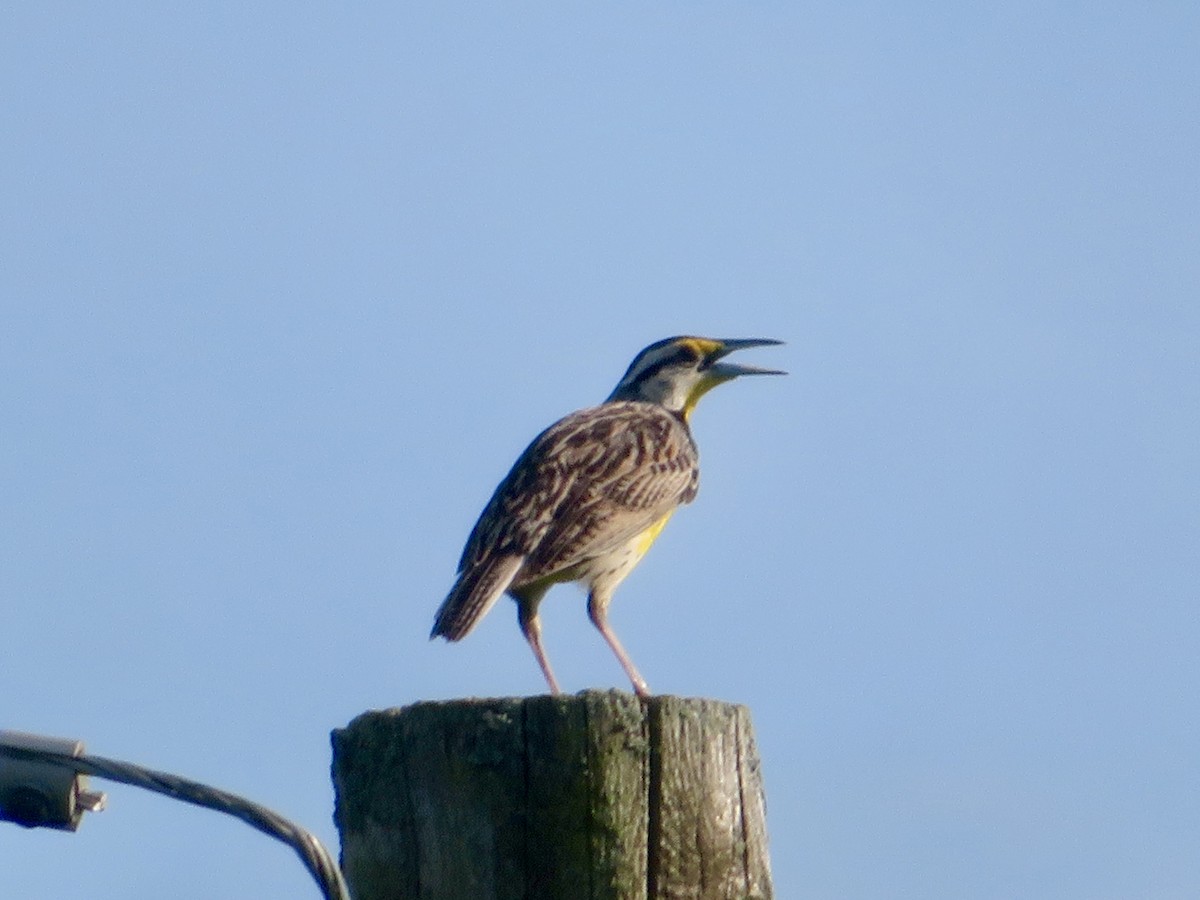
column 598, row 613
column 531, row 627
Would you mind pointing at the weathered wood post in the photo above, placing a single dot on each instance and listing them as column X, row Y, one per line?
column 597, row 796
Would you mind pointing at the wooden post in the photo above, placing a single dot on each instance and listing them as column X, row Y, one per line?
column 598, row 796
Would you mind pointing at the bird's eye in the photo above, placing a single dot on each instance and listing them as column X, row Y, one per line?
column 683, row 357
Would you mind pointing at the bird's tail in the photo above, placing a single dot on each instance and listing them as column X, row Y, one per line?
column 477, row 588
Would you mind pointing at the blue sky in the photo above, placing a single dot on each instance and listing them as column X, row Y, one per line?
column 286, row 289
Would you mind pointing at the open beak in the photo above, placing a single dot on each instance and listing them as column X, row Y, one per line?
column 717, row 371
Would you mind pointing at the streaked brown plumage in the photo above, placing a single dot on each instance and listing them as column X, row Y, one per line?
column 587, row 498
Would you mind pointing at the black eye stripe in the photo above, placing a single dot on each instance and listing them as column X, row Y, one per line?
column 683, row 356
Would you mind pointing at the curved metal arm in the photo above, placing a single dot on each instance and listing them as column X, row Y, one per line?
column 312, row 852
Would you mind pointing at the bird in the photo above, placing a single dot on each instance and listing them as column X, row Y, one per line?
column 590, row 494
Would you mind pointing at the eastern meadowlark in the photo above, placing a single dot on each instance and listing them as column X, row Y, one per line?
column 587, row 498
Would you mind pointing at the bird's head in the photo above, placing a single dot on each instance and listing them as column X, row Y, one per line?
column 677, row 372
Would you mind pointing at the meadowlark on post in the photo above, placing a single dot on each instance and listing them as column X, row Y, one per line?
column 587, row 498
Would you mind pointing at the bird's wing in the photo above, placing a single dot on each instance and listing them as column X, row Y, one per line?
column 618, row 469
column 586, row 484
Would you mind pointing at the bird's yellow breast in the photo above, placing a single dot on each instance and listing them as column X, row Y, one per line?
column 648, row 537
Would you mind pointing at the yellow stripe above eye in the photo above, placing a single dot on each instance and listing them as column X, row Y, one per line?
column 702, row 346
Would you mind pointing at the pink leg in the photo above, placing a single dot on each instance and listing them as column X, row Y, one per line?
column 598, row 613
column 531, row 627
